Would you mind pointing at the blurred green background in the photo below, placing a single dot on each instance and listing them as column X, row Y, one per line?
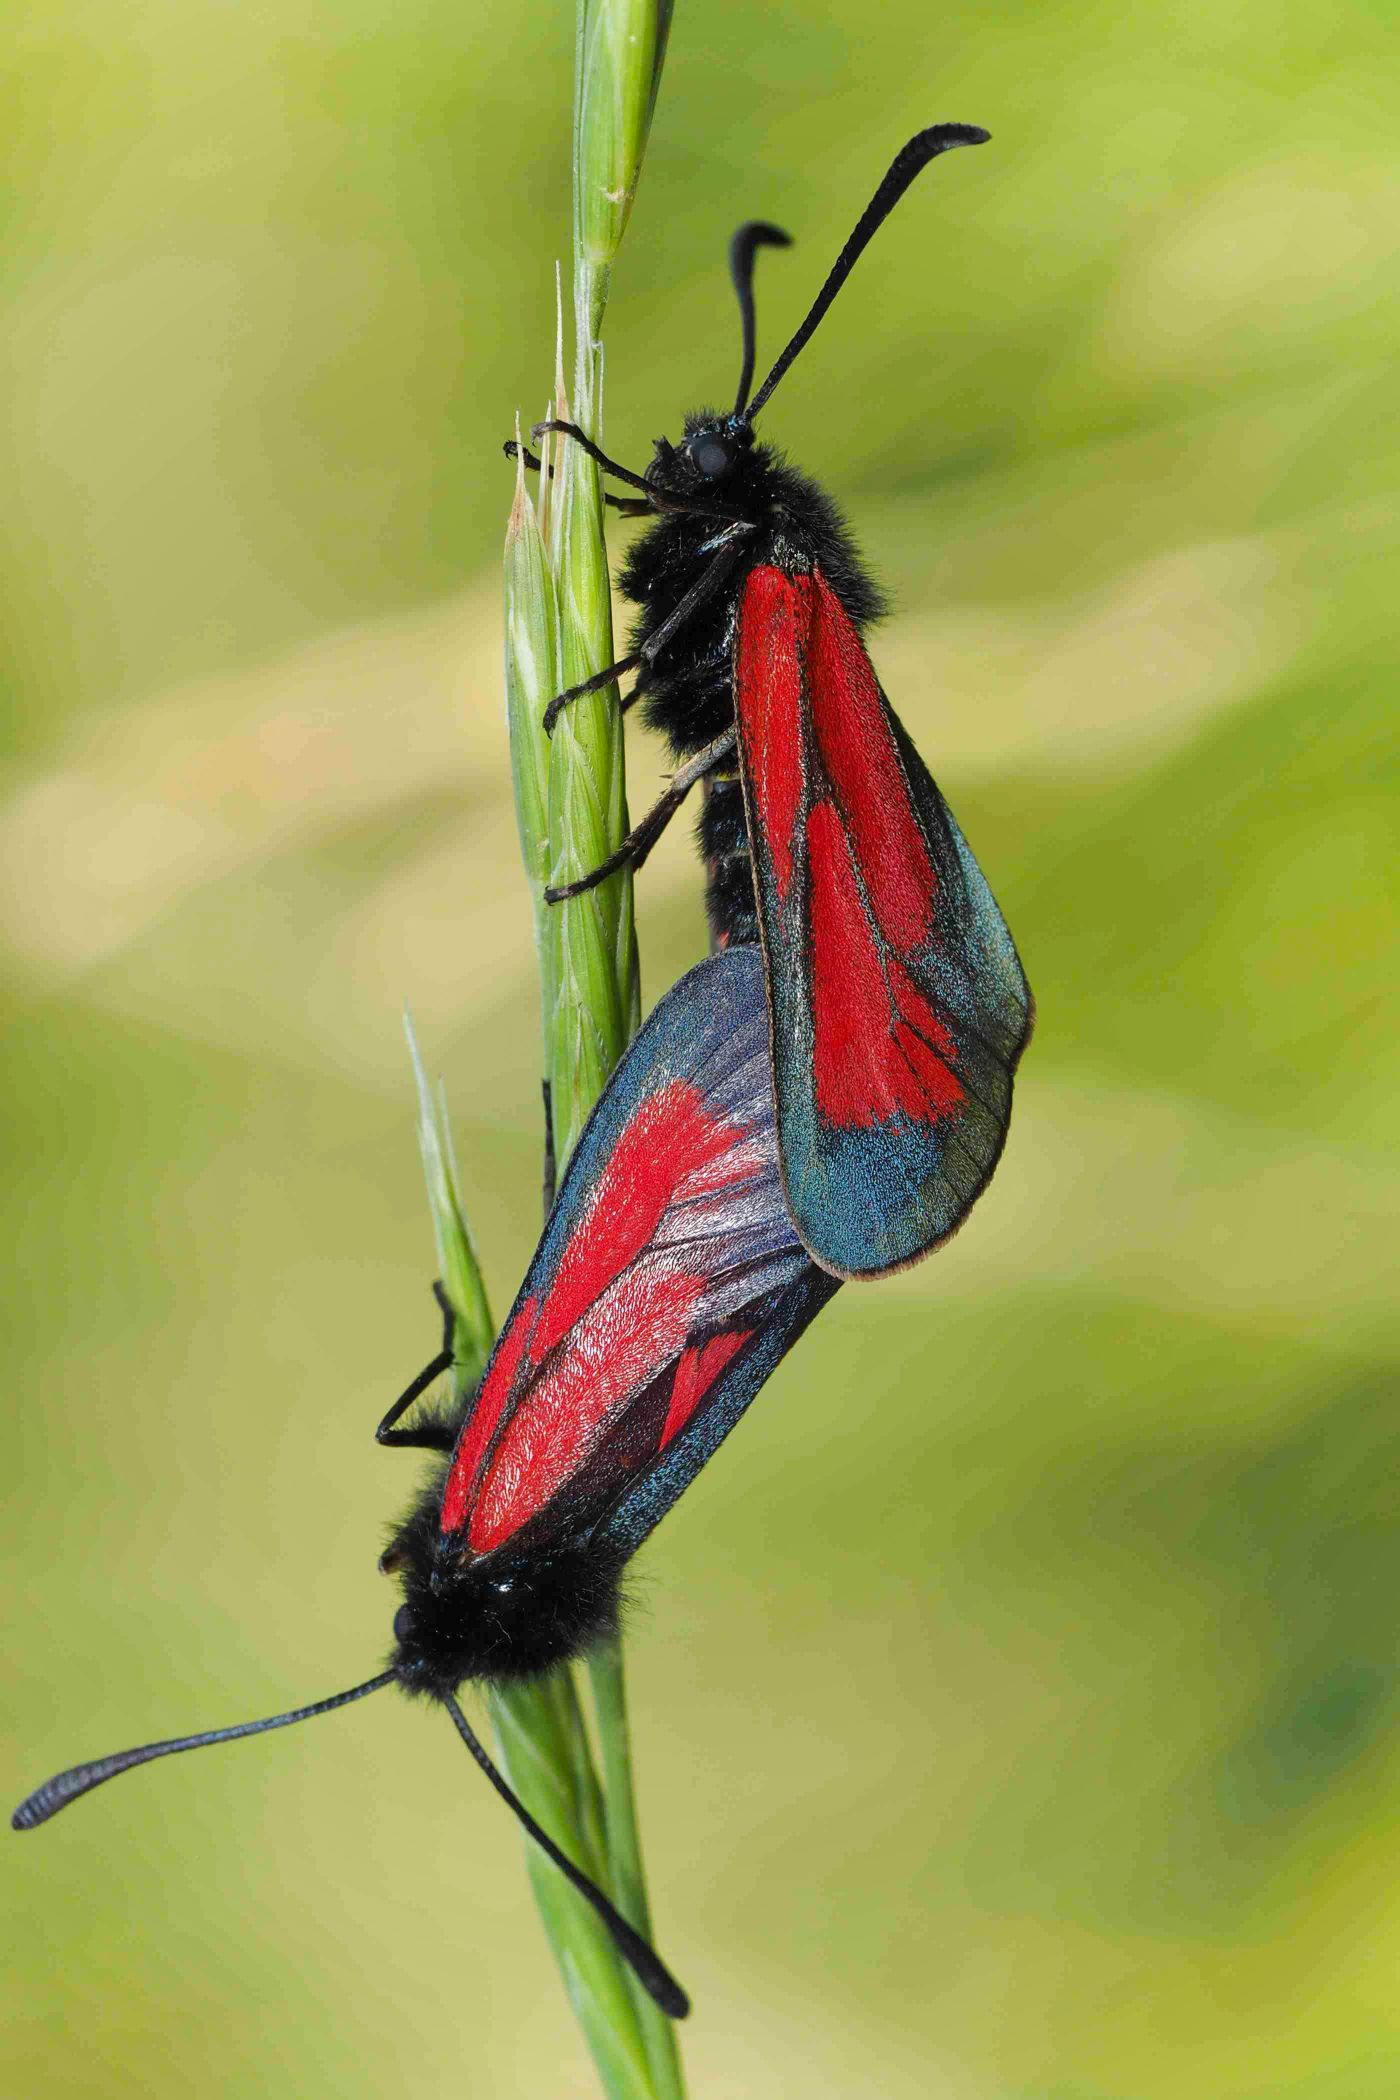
column 1015, row 1696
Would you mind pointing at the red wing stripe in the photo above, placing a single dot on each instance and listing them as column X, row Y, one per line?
column 773, row 621
column 723, row 1172
column 924, row 1043
column 671, row 1138
column 695, row 1374
column 862, row 762
column 864, row 1075
column 627, row 1338
column 487, row 1412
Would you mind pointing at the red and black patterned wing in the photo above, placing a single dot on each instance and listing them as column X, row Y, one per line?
column 668, row 1284
column 899, row 1007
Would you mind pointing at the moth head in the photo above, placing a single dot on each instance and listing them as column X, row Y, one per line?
column 508, row 1613
column 707, row 457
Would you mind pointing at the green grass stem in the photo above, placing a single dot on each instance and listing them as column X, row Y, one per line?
column 571, row 809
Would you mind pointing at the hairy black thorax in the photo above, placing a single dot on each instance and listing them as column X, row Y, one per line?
column 785, row 520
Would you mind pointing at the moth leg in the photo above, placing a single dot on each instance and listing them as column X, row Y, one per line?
column 548, row 1179
column 642, row 837
column 625, row 506
column 657, row 499
column 580, row 437
column 428, row 1436
column 727, row 553
column 587, row 685
column 729, row 549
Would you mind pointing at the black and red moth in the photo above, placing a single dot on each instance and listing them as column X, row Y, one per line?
column 898, row 1007
column 667, row 1286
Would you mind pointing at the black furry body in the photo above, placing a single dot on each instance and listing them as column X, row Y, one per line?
column 687, row 690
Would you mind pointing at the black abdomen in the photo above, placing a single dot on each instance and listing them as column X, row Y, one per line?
column 723, row 839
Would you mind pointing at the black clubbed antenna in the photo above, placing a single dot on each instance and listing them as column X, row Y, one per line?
column 752, row 235
column 56, row 1793
column 908, row 163
column 644, row 1961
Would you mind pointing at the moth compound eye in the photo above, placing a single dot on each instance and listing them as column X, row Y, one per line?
column 712, row 455
column 403, row 1624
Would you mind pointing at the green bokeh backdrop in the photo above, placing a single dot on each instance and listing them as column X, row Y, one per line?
column 1015, row 1696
